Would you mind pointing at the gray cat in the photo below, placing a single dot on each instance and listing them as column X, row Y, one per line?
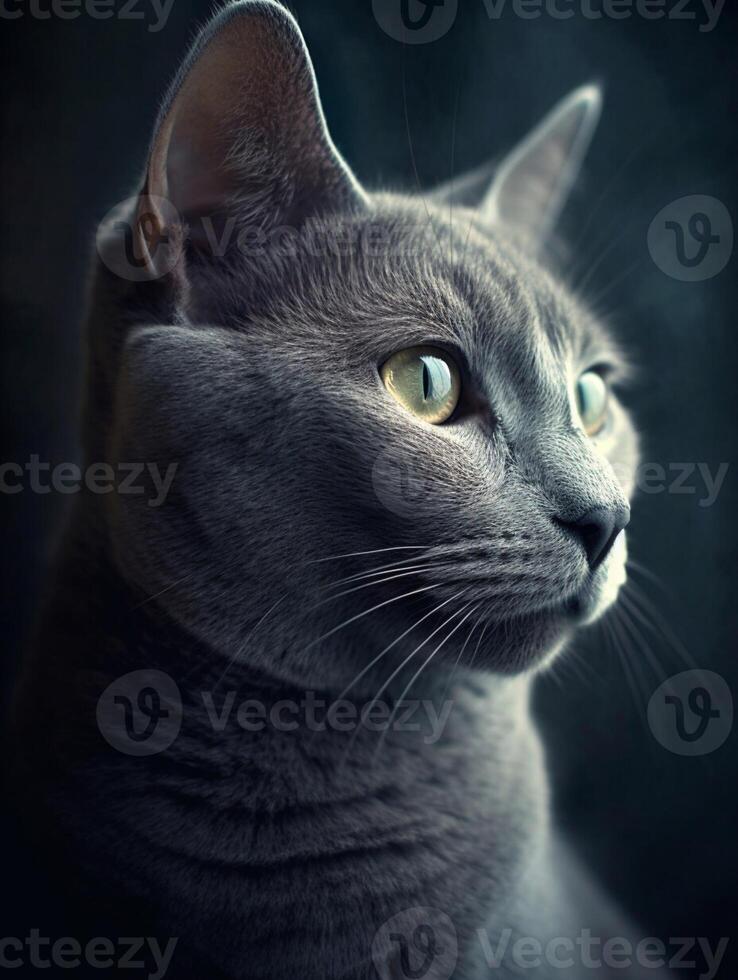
column 396, row 444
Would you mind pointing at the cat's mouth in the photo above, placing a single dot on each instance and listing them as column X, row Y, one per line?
column 601, row 590
column 516, row 619
column 593, row 596
column 597, row 593
column 538, row 635
column 535, row 637
column 592, row 602
column 581, row 609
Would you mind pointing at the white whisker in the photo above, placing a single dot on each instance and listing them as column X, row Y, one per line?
column 363, row 576
column 420, row 670
column 374, row 551
column 367, row 612
column 240, row 649
column 394, row 643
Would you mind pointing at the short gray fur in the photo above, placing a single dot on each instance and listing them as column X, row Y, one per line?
column 282, row 854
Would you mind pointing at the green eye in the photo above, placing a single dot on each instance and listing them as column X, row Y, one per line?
column 425, row 381
column 592, row 401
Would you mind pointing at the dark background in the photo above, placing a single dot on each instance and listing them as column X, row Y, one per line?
column 79, row 100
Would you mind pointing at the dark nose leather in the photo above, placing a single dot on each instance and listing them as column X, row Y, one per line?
column 597, row 530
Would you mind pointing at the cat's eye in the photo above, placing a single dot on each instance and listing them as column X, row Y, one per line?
column 424, row 380
column 592, row 401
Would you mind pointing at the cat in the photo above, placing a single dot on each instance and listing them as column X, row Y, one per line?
column 396, row 441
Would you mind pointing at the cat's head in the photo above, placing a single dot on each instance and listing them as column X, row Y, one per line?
column 391, row 424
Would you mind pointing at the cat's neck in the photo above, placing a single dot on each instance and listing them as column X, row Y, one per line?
column 444, row 807
column 108, row 632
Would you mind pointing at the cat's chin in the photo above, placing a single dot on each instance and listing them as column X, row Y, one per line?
column 533, row 640
column 525, row 642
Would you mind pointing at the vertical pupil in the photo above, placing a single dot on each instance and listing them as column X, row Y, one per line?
column 581, row 398
column 426, row 381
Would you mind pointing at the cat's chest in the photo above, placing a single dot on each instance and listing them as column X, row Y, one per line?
column 282, row 841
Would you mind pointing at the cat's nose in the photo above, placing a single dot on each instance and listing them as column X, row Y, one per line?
column 598, row 529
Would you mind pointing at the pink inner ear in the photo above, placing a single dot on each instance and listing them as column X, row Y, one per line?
column 194, row 175
column 244, row 126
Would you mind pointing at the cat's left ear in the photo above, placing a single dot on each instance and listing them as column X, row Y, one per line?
column 528, row 189
column 242, row 133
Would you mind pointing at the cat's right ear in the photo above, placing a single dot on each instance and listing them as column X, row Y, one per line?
column 525, row 193
column 242, row 134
